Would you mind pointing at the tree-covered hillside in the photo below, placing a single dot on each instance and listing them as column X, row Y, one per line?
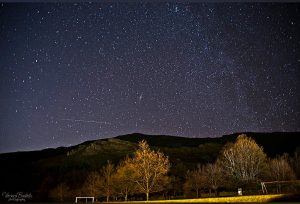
column 39, row 171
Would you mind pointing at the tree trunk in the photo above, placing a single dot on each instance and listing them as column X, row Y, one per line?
column 147, row 195
column 126, row 197
column 107, row 198
column 279, row 188
column 197, row 193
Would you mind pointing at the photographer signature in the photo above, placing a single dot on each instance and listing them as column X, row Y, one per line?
column 16, row 197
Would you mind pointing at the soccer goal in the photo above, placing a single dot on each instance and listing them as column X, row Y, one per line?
column 85, row 199
column 277, row 184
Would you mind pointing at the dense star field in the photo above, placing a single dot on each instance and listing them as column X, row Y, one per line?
column 76, row 72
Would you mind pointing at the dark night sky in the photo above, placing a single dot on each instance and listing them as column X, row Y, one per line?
column 76, row 72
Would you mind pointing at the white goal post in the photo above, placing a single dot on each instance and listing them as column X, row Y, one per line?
column 264, row 188
column 85, row 199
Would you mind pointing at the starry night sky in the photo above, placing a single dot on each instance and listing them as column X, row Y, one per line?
column 76, row 72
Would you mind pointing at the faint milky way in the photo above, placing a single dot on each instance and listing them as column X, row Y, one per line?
column 76, row 72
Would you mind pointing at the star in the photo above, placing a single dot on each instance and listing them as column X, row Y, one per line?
column 193, row 70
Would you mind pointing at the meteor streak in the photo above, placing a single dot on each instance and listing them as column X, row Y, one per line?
column 87, row 121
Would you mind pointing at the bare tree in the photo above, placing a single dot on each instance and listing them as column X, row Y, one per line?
column 295, row 161
column 214, row 176
column 244, row 159
column 150, row 169
column 92, row 184
column 107, row 173
column 196, row 180
column 280, row 169
column 124, row 180
column 60, row 192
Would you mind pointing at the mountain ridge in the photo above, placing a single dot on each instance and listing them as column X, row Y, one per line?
column 34, row 169
column 135, row 137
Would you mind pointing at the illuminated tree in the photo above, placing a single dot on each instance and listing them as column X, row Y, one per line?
column 214, row 176
column 280, row 169
column 150, row 169
column 92, row 184
column 124, row 180
column 106, row 185
column 244, row 160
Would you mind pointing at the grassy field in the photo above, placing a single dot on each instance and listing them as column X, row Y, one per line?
column 236, row 199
